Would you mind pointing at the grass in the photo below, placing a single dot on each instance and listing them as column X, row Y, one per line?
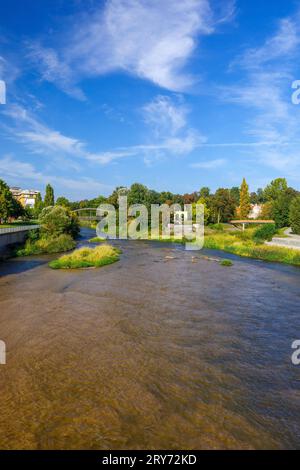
column 97, row 240
column 242, row 244
column 19, row 224
column 226, row 262
column 45, row 245
column 87, row 257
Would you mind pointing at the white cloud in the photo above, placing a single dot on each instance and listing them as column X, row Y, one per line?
column 152, row 40
column 269, row 71
column 169, row 132
column 19, row 171
column 165, row 116
column 54, row 70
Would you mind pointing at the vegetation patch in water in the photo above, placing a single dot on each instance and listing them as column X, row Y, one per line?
column 97, row 240
column 46, row 245
column 87, row 257
column 226, row 262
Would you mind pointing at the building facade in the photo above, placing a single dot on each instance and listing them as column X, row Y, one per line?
column 25, row 196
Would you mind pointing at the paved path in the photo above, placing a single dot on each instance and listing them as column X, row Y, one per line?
column 292, row 240
column 19, row 228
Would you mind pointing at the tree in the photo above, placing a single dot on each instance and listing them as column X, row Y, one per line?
column 266, row 211
column 113, row 198
column 8, row 205
column 254, row 198
column 204, row 192
column 281, row 207
column 138, row 194
column 63, row 201
column 260, row 196
column 245, row 205
column 222, row 205
column 49, row 196
column 206, row 210
column 294, row 215
column 58, row 220
column 235, row 194
column 275, row 188
column 38, row 205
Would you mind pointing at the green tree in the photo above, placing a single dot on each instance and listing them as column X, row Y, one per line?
column 38, row 205
column 260, row 196
column 138, row 194
column 63, row 201
column 49, row 196
column 8, row 205
column 275, row 188
column 245, row 205
column 113, row 198
column 294, row 215
column 281, row 207
column 202, row 200
column 58, row 220
column 235, row 194
column 204, row 192
column 222, row 205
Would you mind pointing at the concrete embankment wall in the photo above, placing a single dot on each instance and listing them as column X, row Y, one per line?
column 9, row 237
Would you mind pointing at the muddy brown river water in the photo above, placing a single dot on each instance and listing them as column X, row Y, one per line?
column 149, row 353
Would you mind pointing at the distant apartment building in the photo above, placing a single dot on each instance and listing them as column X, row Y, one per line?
column 255, row 211
column 25, row 196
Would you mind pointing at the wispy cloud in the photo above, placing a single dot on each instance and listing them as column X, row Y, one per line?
column 266, row 92
column 19, row 171
column 152, row 40
column 168, row 132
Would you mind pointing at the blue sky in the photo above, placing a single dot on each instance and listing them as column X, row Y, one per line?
column 175, row 95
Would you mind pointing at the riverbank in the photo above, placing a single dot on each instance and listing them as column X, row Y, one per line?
column 239, row 243
column 242, row 244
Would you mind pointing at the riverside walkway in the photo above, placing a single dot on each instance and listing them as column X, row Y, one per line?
column 289, row 241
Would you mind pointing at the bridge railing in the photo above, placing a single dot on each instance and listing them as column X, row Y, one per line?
column 21, row 228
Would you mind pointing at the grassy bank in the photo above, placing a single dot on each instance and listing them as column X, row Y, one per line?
column 19, row 224
column 44, row 245
column 97, row 240
column 242, row 244
column 87, row 258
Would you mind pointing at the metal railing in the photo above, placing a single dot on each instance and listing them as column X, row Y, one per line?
column 21, row 228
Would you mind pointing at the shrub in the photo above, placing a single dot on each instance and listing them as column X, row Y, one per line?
column 97, row 240
column 265, row 232
column 87, row 257
column 217, row 227
column 58, row 220
column 47, row 245
column 294, row 215
column 226, row 262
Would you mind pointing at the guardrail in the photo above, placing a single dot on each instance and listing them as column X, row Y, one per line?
column 21, row 228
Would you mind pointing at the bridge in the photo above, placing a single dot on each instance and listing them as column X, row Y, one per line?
column 11, row 235
column 245, row 222
column 87, row 213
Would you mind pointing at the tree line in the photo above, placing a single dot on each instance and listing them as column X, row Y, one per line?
column 278, row 201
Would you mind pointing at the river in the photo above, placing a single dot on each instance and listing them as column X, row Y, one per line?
column 163, row 350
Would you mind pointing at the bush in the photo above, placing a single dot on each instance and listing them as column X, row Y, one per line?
column 87, row 257
column 46, row 245
column 226, row 262
column 97, row 240
column 294, row 215
column 265, row 232
column 58, row 220
column 219, row 227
